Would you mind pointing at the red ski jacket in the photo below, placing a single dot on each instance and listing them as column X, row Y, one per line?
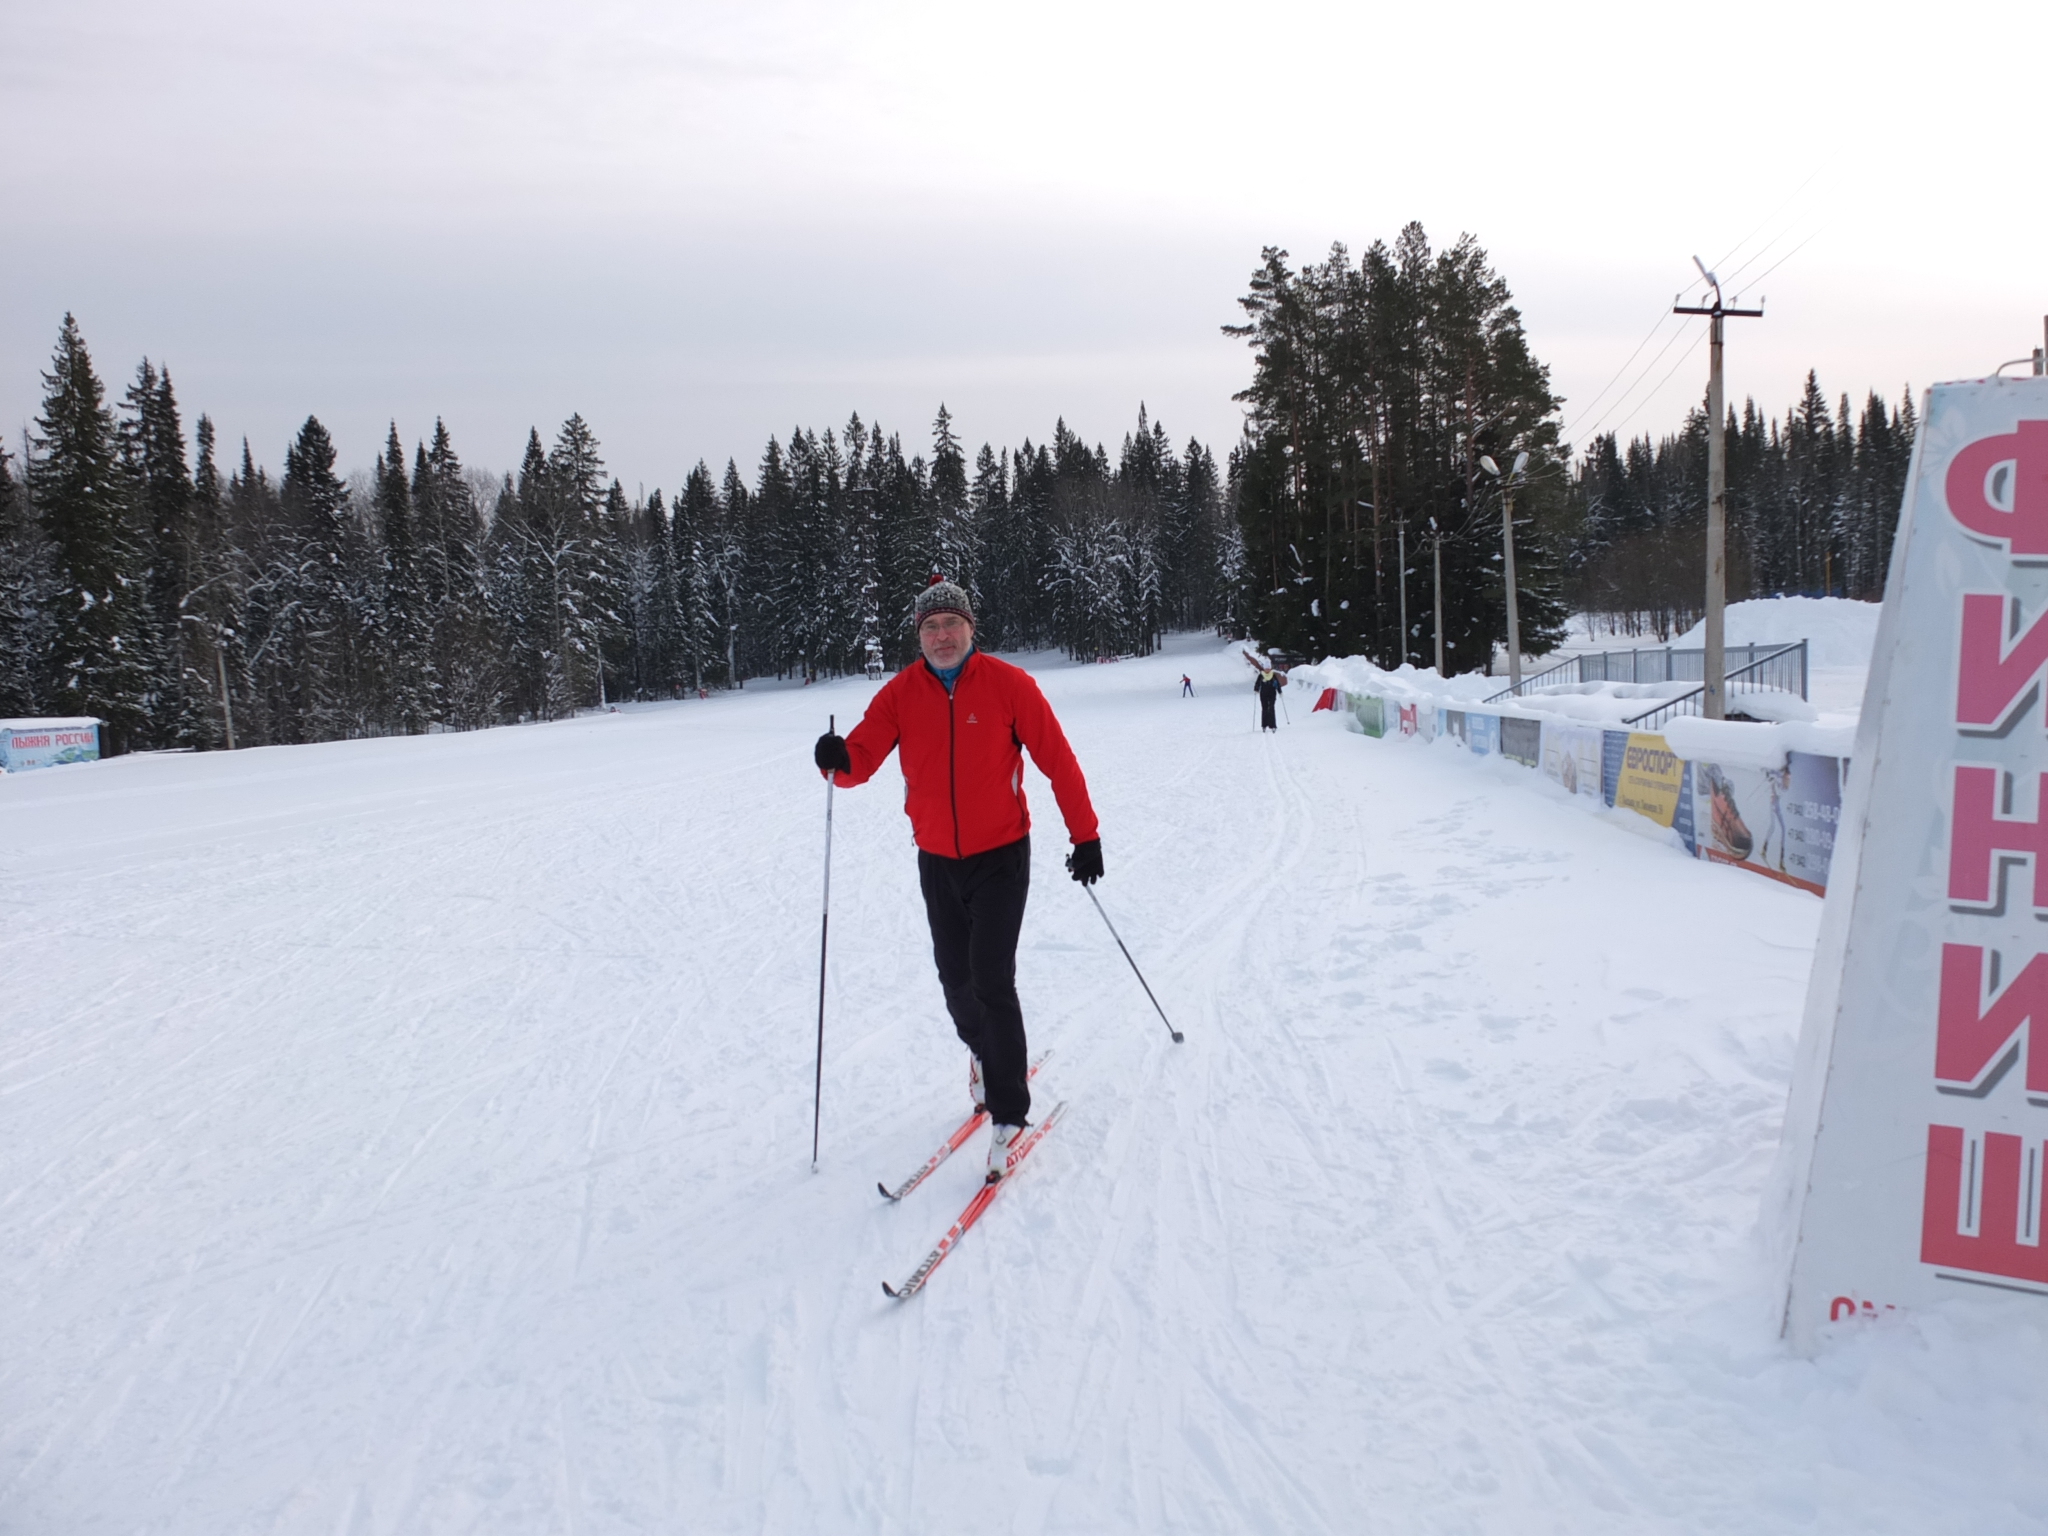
column 963, row 770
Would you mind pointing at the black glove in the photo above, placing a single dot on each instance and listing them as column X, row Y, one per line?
column 831, row 755
column 1085, row 861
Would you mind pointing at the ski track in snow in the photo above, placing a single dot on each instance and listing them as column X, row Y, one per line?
column 414, row 1135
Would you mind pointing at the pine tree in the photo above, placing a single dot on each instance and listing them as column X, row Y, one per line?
column 407, row 630
column 1376, row 390
column 153, row 444
column 105, row 655
column 694, row 532
column 334, row 582
column 29, row 588
column 466, row 659
column 955, row 530
column 989, row 501
column 732, row 569
column 209, row 609
column 862, row 558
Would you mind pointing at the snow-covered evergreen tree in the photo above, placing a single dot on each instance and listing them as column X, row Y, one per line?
column 105, row 654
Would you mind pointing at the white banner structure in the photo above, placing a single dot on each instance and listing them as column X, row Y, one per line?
column 1913, row 1165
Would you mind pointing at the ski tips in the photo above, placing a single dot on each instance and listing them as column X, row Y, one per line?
column 887, row 1193
column 891, row 1292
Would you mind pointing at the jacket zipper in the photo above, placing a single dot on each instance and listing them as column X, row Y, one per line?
column 953, row 758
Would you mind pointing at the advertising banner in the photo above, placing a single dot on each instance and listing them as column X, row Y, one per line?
column 1454, row 726
column 1370, row 711
column 1813, row 810
column 46, row 743
column 1572, row 756
column 1482, row 732
column 1415, row 723
column 1774, row 821
column 1521, row 740
column 1652, row 778
column 1912, row 1166
column 1613, row 749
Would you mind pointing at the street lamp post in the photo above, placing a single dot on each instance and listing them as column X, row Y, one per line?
column 1508, row 483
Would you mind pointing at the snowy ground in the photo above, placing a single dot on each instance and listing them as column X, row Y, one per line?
column 412, row 1136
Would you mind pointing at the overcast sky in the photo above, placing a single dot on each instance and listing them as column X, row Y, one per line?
column 699, row 224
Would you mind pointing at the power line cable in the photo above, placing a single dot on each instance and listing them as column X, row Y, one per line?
column 1683, row 358
column 1769, row 218
column 1802, row 245
column 1677, row 336
column 1655, row 326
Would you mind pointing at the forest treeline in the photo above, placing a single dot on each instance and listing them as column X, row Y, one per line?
column 1813, row 502
column 183, row 601
column 1380, row 388
column 186, row 601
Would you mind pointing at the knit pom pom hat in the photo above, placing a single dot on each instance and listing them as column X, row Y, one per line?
column 942, row 596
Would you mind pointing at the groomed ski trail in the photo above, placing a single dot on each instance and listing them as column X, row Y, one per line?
column 414, row 1136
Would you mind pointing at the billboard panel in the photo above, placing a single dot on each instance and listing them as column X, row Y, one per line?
column 1912, row 1166
column 28, row 744
column 1521, row 740
column 1482, row 732
column 1613, row 750
column 1774, row 821
column 1572, row 756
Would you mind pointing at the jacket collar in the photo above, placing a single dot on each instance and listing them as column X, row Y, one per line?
column 965, row 662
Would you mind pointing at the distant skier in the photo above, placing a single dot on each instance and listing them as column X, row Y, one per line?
column 961, row 719
column 1187, row 686
column 1267, row 685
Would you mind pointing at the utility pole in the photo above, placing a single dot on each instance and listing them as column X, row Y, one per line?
column 1401, row 553
column 1436, row 555
column 1715, row 664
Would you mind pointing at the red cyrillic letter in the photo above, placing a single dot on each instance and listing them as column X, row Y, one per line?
column 1996, row 1249
column 1977, row 835
column 1990, row 678
column 2024, row 528
column 1974, row 1043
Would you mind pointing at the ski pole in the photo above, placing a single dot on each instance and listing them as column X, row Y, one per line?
column 1177, row 1036
column 1285, row 713
column 824, row 933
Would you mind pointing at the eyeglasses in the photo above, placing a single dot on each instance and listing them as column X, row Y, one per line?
column 946, row 623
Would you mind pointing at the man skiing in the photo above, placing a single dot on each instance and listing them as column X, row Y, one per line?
column 1267, row 685
column 961, row 719
column 1187, row 686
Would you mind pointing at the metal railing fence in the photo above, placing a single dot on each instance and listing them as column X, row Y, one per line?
column 1783, row 667
column 1780, row 671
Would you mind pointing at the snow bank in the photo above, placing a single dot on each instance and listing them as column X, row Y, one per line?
column 1779, row 723
column 1839, row 631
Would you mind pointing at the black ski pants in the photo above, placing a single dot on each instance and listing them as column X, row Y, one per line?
column 976, row 909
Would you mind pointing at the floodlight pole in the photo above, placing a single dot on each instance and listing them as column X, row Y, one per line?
column 1714, row 665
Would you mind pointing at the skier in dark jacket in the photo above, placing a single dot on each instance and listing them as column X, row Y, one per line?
column 1267, row 685
column 962, row 720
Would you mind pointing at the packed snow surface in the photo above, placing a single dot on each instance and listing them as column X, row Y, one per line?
column 414, row 1136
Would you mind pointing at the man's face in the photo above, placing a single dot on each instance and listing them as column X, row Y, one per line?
column 945, row 638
